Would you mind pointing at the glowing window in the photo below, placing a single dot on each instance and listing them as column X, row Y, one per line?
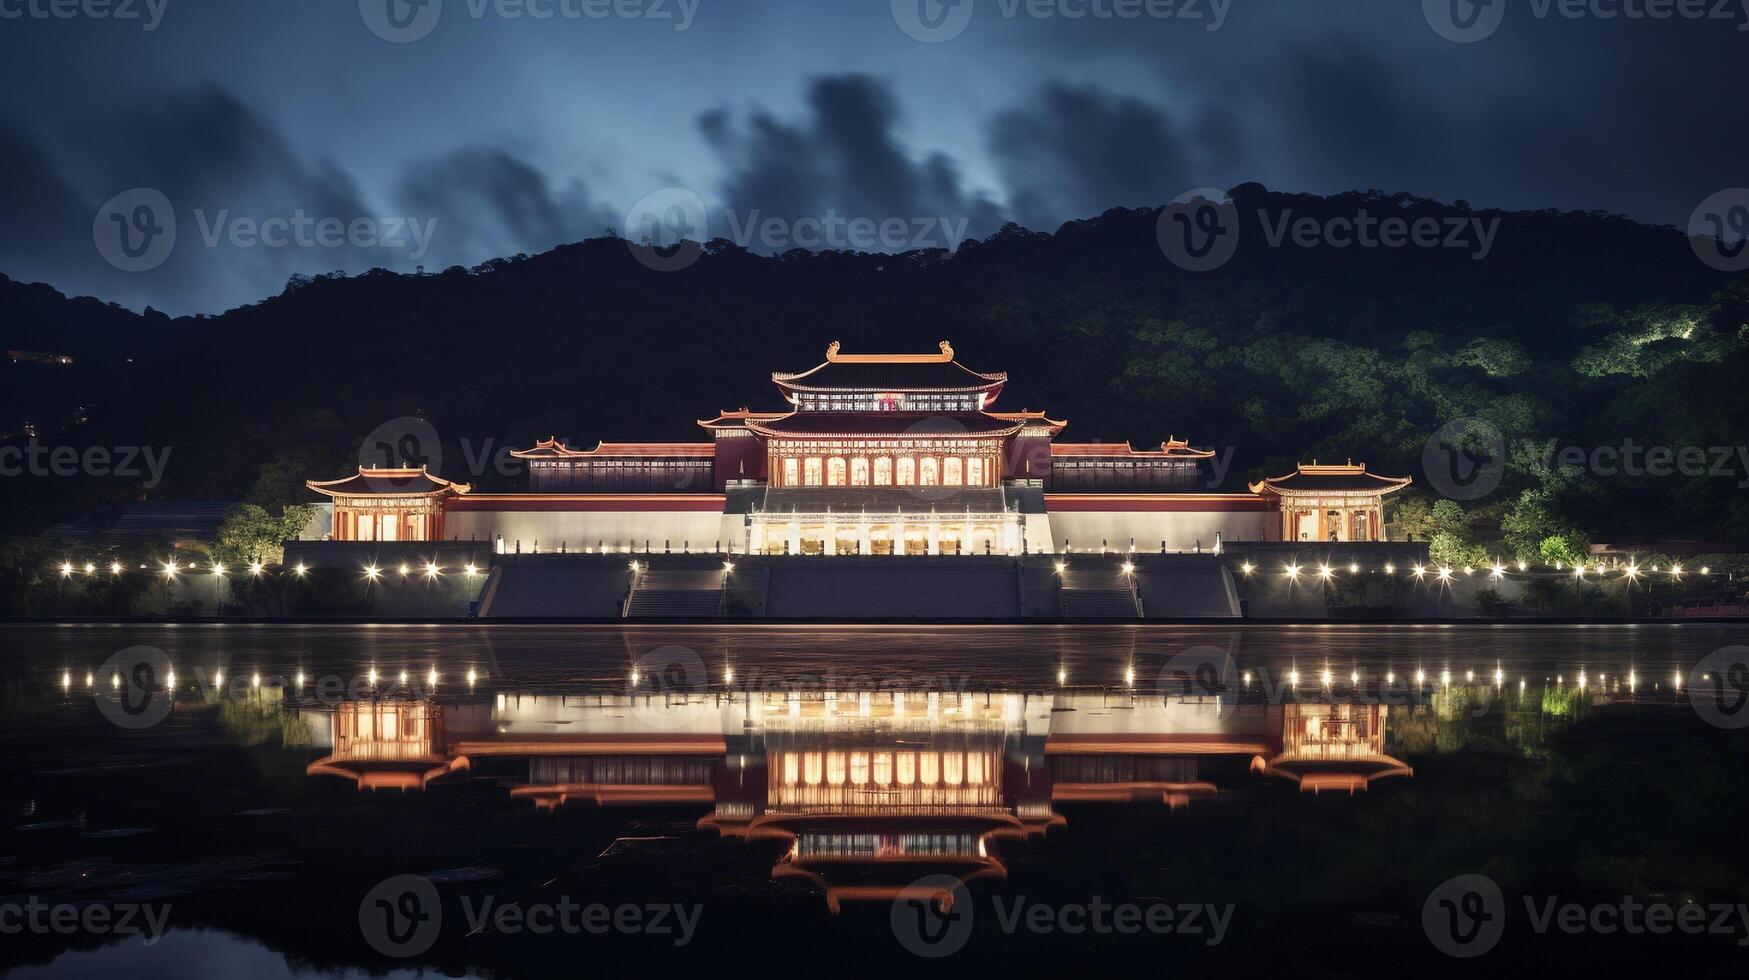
column 859, row 472
column 883, row 768
column 883, row 472
column 907, row 472
column 835, row 472
column 835, row 768
column 859, row 768
column 929, row 770
column 929, row 472
column 813, row 472
column 975, row 472
column 792, row 472
column 907, row 768
column 792, row 765
column 953, row 472
column 813, row 764
column 952, row 768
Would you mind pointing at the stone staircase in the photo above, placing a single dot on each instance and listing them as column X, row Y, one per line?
column 1098, row 594
column 676, row 593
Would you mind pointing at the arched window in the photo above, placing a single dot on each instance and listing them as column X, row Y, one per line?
column 975, row 472
column 813, row 472
column 835, row 472
column 792, row 475
column 907, row 472
column 929, row 472
column 812, row 766
column 859, row 472
column 883, row 472
column 835, row 769
column 953, row 472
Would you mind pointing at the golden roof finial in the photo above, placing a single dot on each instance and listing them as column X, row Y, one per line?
column 947, row 350
column 832, row 350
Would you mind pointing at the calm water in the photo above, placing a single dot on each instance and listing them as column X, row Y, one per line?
column 511, row 801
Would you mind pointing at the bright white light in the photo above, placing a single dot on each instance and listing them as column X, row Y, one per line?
column 371, row 572
column 170, row 569
column 1420, row 572
column 471, row 677
column 1353, row 568
column 1062, row 676
column 431, row 569
column 219, row 568
column 255, row 680
column 472, row 570
column 1293, row 571
column 1390, row 569
column 1324, row 571
column 728, row 566
column 1128, row 567
column 1499, row 571
column 1247, row 568
column 255, row 568
column 300, row 570
column 115, row 568
column 431, row 677
column 1444, row 574
column 66, row 569
column 405, row 570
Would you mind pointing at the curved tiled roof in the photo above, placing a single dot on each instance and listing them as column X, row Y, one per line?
column 889, row 372
column 1343, row 478
column 387, row 482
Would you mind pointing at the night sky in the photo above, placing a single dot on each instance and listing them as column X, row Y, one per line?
column 517, row 133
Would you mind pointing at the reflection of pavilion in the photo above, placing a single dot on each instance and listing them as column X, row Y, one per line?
column 865, row 791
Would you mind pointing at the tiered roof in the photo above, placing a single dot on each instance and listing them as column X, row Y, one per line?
column 1330, row 478
column 373, row 482
column 891, row 372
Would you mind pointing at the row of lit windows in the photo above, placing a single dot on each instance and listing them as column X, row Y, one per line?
column 862, row 401
column 885, row 471
column 886, row 768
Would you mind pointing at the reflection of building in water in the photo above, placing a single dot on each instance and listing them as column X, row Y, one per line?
column 866, row 791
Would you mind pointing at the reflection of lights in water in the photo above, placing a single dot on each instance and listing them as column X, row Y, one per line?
column 1581, row 678
column 472, row 677
column 255, row 681
column 170, row 681
column 1391, row 677
column 1421, row 677
column 431, row 677
column 115, row 681
column 1129, row 676
column 66, row 680
column 218, row 678
column 1062, row 676
column 89, row 679
column 1293, row 677
column 1469, row 677
column 728, row 675
column 1677, row 680
column 635, row 677
column 1354, row 677
column 1445, row 677
column 403, row 678
column 300, row 678
column 1326, row 677
column 1247, row 678
column 1499, row 676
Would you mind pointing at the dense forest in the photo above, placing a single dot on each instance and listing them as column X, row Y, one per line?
column 1578, row 330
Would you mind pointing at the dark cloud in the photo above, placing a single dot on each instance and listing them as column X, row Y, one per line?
column 1074, row 152
column 489, row 204
column 844, row 160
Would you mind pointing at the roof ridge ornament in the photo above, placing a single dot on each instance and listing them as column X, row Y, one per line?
column 835, row 355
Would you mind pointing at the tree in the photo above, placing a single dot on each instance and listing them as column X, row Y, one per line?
column 251, row 533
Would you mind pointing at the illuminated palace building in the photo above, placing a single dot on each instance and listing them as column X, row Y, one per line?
column 877, row 454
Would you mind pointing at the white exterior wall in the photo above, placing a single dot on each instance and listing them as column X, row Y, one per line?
column 1181, row 530
column 698, row 531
